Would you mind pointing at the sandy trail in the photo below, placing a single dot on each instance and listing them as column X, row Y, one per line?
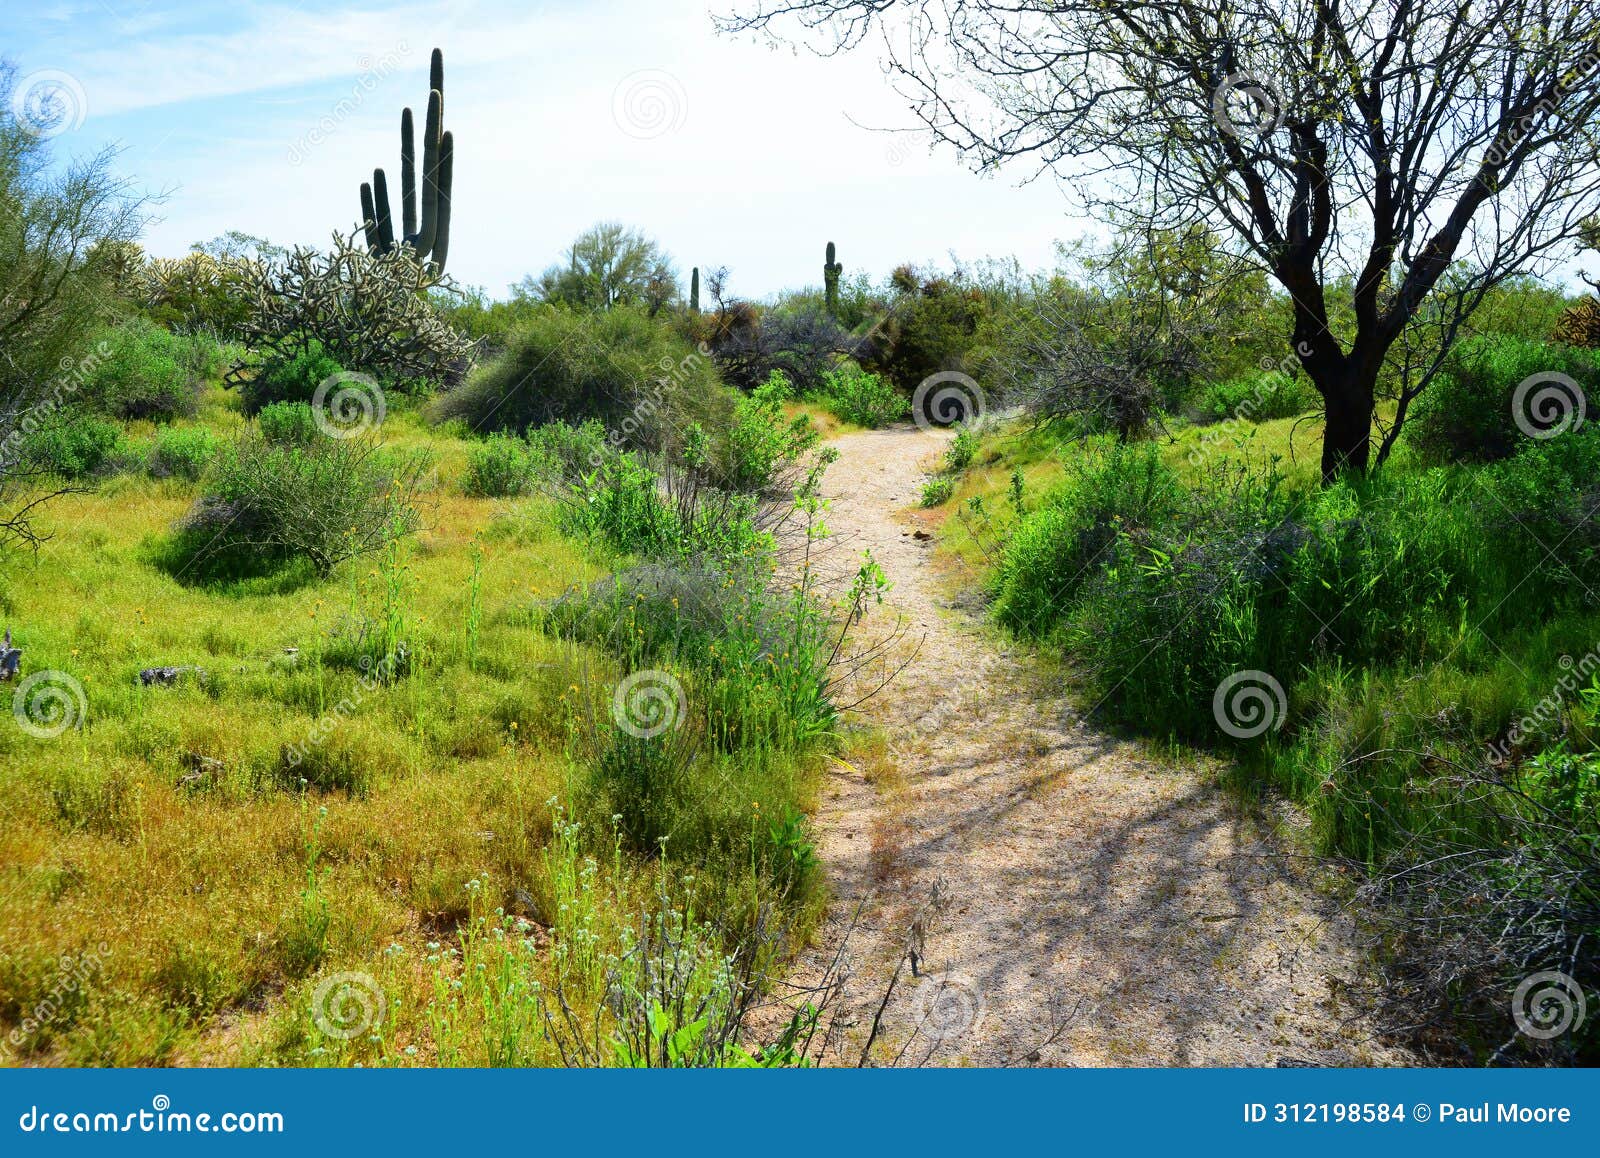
column 1097, row 907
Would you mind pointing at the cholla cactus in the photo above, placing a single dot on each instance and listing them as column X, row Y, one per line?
column 429, row 239
column 368, row 311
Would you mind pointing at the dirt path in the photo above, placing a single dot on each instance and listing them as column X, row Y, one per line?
column 1096, row 907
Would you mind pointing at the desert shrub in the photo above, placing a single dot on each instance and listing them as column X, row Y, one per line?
column 750, row 345
column 287, row 423
column 290, row 376
column 73, row 444
column 560, row 451
column 931, row 326
column 862, row 397
column 498, row 467
column 181, row 452
column 1108, row 492
column 762, row 449
column 621, row 367
column 1258, row 397
column 961, row 451
column 1469, row 413
column 145, row 372
column 937, row 491
column 196, row 292
column 268, row 504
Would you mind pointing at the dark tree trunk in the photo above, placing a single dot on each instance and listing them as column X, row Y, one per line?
column 1347, row 440
column 1348, row 384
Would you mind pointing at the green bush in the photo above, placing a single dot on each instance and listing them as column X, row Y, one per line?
column 761, row 447
column 291, row 379
column 630, row 372
column 1109, row 491
column 1258, row 397
column 937, row 491
column 1469, row 412
column 73, row 444
column 498, row 467
column 146, row 372
column 287, row 423
column 861, row 397
column 270, row 504
column 181, row 452
column 959, row 454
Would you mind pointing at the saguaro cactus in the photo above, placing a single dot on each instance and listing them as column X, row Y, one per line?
column 830, row 279
column 429, row 237
column 694, row 290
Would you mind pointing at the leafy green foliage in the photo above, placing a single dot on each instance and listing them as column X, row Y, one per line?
column 145, row 372
column 1467, row 414
column 937, row 492
column 287, row 423
column 501, row 466
column 268, row 504
column 1258, row 397
column 632, row 373
column 181, row 452
column 73, row 444
column 862, row 397
column 290, row 376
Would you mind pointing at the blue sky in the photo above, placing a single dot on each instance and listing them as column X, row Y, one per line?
column 266, row 117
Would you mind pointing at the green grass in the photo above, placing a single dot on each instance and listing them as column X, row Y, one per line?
column 236, row 841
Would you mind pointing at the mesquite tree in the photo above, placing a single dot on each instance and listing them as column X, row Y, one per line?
column 1421, row 150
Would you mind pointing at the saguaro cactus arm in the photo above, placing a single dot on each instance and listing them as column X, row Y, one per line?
column 428, row 236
